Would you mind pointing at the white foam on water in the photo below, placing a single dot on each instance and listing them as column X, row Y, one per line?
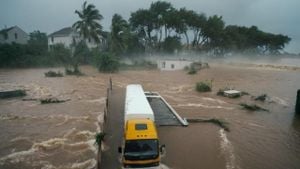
column 50, row 144
column 213, row 100
column 228, row 151
column 204, row 106
column 88, row 164
column 280, row 101
column 100, row 120
column 101, row 100
column 67, row 118
column 17, row 156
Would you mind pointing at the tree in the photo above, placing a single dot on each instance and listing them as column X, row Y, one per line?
column 119, row 34
column 142, row 23
column 38, row 43
column 160, row 12
column 88, row 27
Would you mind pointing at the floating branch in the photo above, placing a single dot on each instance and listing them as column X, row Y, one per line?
column 262, row 97
column 253, row 107
column 52, row 100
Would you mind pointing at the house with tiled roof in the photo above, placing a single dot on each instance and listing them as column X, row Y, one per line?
column 67, row 36
column 13, row 35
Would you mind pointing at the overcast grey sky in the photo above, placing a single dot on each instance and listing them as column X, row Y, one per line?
column 276, row 16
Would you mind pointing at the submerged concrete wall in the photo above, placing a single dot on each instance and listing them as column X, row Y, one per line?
column 297, row 107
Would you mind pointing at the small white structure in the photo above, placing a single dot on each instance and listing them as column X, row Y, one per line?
column 13, row 35
column 232, row 93
column 173, row 64
column 66, row 36
column 136, row 104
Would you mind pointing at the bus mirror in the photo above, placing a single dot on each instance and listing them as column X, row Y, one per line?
column 120, row 149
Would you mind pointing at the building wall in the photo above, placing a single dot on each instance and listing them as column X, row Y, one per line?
column 16, row 35
column 65, row 40
column 68, row 40
column 173, row 64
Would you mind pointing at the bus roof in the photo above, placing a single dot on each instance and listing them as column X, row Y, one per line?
column 139, row 129
column 136, row 104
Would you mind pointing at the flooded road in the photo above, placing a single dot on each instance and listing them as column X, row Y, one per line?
column 61, row 135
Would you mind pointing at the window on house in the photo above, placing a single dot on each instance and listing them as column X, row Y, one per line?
column 164, row 65
column 16, row 36
column 5, row 36
column 172, row 66
column 52, row 39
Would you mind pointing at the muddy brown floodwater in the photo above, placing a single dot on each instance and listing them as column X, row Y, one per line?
column 55, row 136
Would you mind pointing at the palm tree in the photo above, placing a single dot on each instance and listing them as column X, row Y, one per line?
column 88, row 26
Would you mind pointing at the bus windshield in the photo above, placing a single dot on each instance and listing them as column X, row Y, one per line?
column 141, row 149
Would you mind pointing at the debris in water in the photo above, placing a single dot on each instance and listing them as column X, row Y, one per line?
column 12, row 93
column 52, row 100
column 216, row 121
column 53, row 74
column 253, row 107
column 227, row 92
column 262, row 97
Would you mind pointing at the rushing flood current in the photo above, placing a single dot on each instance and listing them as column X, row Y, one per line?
column 54, row 136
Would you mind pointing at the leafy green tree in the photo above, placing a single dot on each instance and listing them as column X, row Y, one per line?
column 119, row 34
column 171, row 44
column 142, row 23
column 38, row 43
column 160, row 11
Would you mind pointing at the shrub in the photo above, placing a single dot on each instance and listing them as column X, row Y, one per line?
column 53, row 74
column 106, row 62
column 75, row 72
column 192, row 70
column 203, row 87
column 99, row 137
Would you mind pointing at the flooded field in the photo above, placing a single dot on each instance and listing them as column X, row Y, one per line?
column 58, row 136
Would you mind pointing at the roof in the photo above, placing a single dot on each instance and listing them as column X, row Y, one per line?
column 136, row 103
column 3, row 31
column 62, row 32
column 133, row 132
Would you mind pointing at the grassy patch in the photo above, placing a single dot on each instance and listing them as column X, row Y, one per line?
column 215, row 121
column 203, row 86
column 53, row 74
column 252, row 107
column 12, row 93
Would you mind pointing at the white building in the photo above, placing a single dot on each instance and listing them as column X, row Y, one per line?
column 173, row 64
column 13, row 35
column 66, row 36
